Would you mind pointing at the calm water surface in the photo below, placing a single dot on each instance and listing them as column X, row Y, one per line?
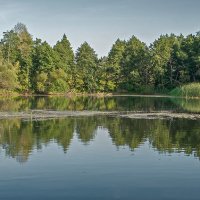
column 100, row 157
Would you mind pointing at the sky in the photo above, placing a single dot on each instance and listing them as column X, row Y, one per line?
column 101, row 22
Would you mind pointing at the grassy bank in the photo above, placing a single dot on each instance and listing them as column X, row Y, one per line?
column 191, row 90
column 9, row 93
column 4, row 93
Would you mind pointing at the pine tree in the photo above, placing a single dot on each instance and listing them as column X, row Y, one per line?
column 114, row 60
column 86, row 65
column 65, row 60
column 43, row 64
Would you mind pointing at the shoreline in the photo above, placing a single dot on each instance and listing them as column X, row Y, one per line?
column 10, row 94
column 7, row 95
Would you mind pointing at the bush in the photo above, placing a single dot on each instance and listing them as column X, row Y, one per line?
column 8, row 77
column 190, row 90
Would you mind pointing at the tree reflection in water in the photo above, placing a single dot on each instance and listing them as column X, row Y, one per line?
column 19, row 138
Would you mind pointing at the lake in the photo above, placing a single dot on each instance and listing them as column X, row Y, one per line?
column 100, row 157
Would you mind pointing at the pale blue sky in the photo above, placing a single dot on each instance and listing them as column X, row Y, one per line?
column 101, row 22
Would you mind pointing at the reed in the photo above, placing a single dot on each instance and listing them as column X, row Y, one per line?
column 191, row 90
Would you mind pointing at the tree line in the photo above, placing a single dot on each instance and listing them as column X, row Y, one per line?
column 33, row 66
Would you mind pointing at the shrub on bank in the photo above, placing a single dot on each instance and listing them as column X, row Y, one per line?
column 191, row 90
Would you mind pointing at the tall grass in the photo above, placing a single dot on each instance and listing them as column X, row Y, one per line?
column 191, row 90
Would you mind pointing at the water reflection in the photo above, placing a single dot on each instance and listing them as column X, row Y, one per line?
column 123, row 103
column 189, row 105
column 19, row 138
column 87, row 103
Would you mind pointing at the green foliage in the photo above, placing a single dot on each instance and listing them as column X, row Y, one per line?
column 9, row 46
column 135, row 64
column 58, row 81
column 190, row 49
column 41, row 81
column 106, row 76
column 189, row 90
column 24, row 57
column 16, row 46
column 131, row 66
column 113, row 68
column 8, row 75
column 86, row 66
column 65, row 61
column 65, row 54
column 162, row 60
column 43, row 64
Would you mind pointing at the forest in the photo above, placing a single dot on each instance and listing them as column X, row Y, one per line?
column 34, row 66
